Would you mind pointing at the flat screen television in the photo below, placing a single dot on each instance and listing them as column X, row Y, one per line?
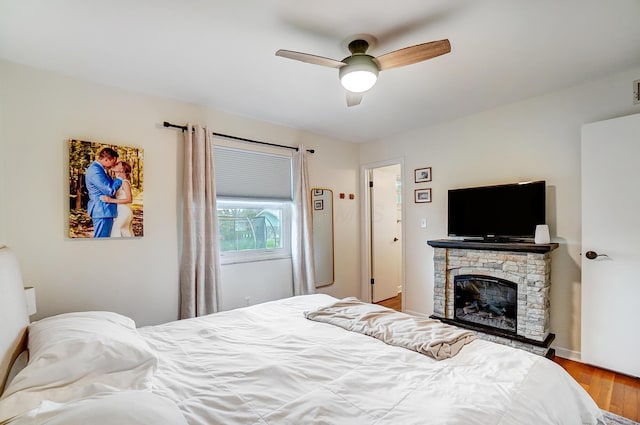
column 502, row 212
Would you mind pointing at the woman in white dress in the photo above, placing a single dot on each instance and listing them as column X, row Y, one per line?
column 122, row 223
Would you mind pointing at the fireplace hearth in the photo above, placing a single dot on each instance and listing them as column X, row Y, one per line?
column 500, row 290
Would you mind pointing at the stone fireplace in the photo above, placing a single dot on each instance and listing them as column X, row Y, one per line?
column 499, row 290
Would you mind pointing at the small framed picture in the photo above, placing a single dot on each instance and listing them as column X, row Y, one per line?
column 422, row 195
column 423, row 175
column 318, row 204
column 317, row 192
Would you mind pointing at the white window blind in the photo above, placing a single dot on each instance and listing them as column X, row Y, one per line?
column 248, row 174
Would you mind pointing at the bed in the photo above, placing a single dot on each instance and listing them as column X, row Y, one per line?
column 261, row 365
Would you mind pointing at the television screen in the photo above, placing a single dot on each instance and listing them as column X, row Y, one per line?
column 509, row 211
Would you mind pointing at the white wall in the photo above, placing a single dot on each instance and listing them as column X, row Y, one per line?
column 537, row 139
column 41, row 111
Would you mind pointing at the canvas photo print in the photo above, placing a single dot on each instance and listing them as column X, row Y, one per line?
column 105, row 190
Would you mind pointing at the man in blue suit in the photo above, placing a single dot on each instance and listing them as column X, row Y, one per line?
column 100, row 183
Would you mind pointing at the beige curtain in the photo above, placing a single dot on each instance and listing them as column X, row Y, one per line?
column 200, row 263
column 301, row 235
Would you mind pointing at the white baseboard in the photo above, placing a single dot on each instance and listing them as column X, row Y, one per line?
column 567, row 354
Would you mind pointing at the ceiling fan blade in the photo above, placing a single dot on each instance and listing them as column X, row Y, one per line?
column 306, row 57
column 413, row 54
column 353, row 99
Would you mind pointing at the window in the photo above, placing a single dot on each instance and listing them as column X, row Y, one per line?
column 254, row 205
column 253, row 230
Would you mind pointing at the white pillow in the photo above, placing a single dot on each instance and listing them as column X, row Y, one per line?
column 75, row 355
column 121, row 408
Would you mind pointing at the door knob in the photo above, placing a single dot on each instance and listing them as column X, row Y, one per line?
column 396, row 239
column 592, row 255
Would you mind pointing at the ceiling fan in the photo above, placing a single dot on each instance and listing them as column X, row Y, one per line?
column 359, row 72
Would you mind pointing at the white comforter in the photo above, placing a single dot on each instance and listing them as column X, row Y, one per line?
column 267, row 364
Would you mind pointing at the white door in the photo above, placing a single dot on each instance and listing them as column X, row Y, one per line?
column 611, row 229
column 386, row 249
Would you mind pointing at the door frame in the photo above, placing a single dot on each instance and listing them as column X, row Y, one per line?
column 365, row 209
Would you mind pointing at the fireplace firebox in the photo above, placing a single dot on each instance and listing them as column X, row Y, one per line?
column 486, row 301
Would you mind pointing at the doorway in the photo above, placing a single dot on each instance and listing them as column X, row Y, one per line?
column 383, row 230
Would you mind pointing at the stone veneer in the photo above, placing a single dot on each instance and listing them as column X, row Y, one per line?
column 529, row 270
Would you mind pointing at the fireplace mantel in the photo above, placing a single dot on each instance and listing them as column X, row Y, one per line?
column 494, row 246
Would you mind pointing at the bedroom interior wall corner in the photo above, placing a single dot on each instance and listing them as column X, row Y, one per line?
column 335, row 165
column 135, row 277
column 537, row 138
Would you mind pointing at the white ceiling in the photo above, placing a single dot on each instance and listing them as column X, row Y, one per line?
column 221, row 53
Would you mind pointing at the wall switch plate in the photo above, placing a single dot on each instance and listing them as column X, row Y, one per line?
column 423, row 223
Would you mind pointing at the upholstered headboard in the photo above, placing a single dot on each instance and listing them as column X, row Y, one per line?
column 13, row 312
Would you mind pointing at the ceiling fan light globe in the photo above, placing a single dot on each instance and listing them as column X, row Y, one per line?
column 360, row 73
column 358, row 81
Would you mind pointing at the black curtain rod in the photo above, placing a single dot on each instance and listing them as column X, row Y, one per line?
column 184, row 128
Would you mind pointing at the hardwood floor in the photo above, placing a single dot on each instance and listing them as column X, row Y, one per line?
column 617, row 393
column 394, row 303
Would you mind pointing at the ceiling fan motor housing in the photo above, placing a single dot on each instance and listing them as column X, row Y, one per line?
column 358, row 46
